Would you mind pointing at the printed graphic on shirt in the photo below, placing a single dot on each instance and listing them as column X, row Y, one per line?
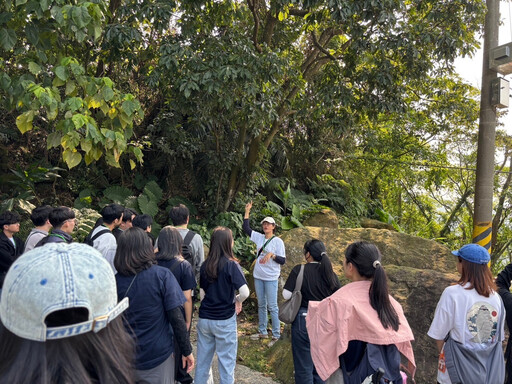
column 482, row 320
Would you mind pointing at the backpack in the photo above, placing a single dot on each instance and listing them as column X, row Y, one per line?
column 89, row 240
column 186, row 249
column 374, row 357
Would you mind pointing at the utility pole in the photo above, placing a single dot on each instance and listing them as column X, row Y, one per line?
column 482, row 219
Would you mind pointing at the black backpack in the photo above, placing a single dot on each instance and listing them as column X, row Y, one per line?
column 89, row 240
column 186, row 249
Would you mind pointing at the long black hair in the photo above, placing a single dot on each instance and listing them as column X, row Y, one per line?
column 318, row 252
column 134, row 252
column 170, row 243
column 90, row 358
column 366, row 258
column 221, row 246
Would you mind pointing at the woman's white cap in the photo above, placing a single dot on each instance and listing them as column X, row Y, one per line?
column 268, row 219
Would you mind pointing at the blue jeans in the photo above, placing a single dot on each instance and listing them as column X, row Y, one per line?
column 216, row 336
column 266, row 291
column 305, row 372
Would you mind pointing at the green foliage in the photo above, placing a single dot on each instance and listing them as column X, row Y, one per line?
column 23, row 192
column 146, row 202
column 385, row 217
column 86, row 218
column 243, row 248
column 339, row 195
column 54, row 86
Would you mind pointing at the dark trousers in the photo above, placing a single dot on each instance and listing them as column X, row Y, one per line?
column 305, row 372
column 181, row 374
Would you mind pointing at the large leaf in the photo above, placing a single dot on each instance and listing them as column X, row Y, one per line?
column 71, row 157
column 7, row 38
column 287, row 224
column 154, row 190
column 147, row 206
column 117, row 194
column 24, row 121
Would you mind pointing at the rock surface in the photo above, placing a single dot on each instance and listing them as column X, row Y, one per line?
column 326, row 218
column 418, row 271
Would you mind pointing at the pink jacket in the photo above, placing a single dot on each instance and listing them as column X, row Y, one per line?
column 347, row 315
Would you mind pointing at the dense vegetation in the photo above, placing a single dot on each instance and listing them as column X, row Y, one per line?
column 295, row 104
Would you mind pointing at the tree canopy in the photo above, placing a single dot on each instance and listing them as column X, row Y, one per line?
column 353, row 103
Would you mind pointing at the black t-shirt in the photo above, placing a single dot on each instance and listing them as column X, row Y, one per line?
column 314, row 287
column 219, row 300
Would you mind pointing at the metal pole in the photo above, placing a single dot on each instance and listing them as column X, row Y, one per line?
column 482, row 220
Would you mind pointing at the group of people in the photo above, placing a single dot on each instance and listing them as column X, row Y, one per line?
column 60, row 305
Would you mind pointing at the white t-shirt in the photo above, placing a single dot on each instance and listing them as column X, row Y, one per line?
column 469, row 318
column 270, row 270
column 106, row 244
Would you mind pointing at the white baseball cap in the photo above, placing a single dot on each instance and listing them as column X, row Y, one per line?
column 268, row 219
column 54, row 277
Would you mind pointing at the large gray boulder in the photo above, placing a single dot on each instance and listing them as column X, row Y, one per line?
column 418, row 271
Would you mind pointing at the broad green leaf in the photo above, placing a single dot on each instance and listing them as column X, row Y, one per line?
column 132, row 165
column 7, row 39
column 97, row 32
column 72, row 158
column 80, row 15
column 138, row 154
column 77, row 69
column 53, row 140
column 32, row 33
column 79, row 120
column 57, row 82
column 5, row 81
column 146, row 206
column 20, row 2
column 70, row 140
column 61, row 72
column 44, row 5
column 70, row 87
column 93, row 133
column 117, row 194
column 107, row 93
column 56, row 13
column 155, row 190
column 34, row 68
column 75, row 103
column 86, row 145
column 5, row 17
column 108, row 82
column 287, row 224
column 24, row 121
column 128, row 107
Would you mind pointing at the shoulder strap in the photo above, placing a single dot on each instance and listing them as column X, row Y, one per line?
column 103, row 231
column 126, row 293
column 176, row 264
column 188, row 237
column 300, row 276
column 264, row 245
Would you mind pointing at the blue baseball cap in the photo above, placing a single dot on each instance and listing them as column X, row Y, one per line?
column 473, row 253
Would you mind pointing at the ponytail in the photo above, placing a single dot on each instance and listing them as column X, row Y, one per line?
column 366, row 258
column 317, row 250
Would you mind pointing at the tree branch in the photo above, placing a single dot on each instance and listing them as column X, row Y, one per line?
column 322, row 49
column 252, row 6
